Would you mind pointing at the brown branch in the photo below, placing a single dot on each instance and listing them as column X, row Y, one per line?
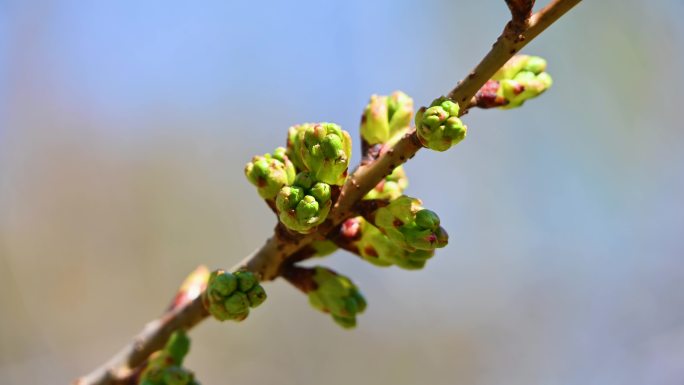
column 505, row 47
column 267, row 261
column 300, row 277
column 521, row 10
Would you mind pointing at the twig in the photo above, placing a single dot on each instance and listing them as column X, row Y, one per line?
column 267, row 261
column 505, row 48
column 521, row 10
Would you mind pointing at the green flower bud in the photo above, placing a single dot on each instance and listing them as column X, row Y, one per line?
column 152, row 375
column 412, row 227
column 224, row 284
column 337, row 295
column 175, row 375
column 439, row 127
column 427, row 219
column 321, row 191
column 514, row 65
column 545, row 82
column 256, row 296
column 535, row 64
column 419, row 238
column 391, row 187
column 289, row 197
column 269, row 173
column 385, row 117
column 307, row 209
column 305, row 205
column 522, row 78
column 246, row 280
column 292, row 137
column 178, row 346
column 399, row 212
column 400, row 111
column 378, row 249
column 324, row 248
column 280, row 153
column 164, row 366
column 237, row 305
column 323, row 149
column 374, row 121
column 230, row 295
column 304, row 180
column 345, row 322
column 409, row 263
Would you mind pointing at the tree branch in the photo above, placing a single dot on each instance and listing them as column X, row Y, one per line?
column 266, row 262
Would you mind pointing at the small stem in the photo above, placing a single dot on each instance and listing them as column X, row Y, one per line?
column 521, row 10
column 300, row 277
column 367, row 208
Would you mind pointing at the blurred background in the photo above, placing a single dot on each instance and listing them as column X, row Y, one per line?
column 125, row 126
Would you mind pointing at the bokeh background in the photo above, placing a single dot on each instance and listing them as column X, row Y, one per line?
column 125, row 125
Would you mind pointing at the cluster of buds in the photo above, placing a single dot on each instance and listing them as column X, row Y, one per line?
column 297, row 181
column 411, row 226
column 439, row 127
column 378, row 249
column 270, row 172
column 322, row 149
column 523, row 77
column 164, row 367
column 385, row 117
column 229, row 296
column 300, row 183
column 391, row 187
column 337, row 295
column 304, row 205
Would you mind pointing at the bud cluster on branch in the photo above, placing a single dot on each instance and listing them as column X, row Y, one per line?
column 299, row 183
column 322, row 207
column 165, row 366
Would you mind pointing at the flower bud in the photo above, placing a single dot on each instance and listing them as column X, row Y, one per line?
column 237, row 306
column 374, row 121
column 400, row 112
column 269, row 173
column 427, row 219
column 175, row 375
column 439, row 127
column 337, row 295
column 256, row 296
column 412, row 227
column 391, row 187
column 514, row 65
column 246, row 280
column 385, row 117
column 164, row 366
column 292, row 137
column 230, row 295
column 415, row 260
column 178, row 347
column 321, row 191
column 535, row 64
column 324, row 248
column 378, row 249
column 307, row 209
column 323, row 149
column 305, row 205
column 520, row 79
